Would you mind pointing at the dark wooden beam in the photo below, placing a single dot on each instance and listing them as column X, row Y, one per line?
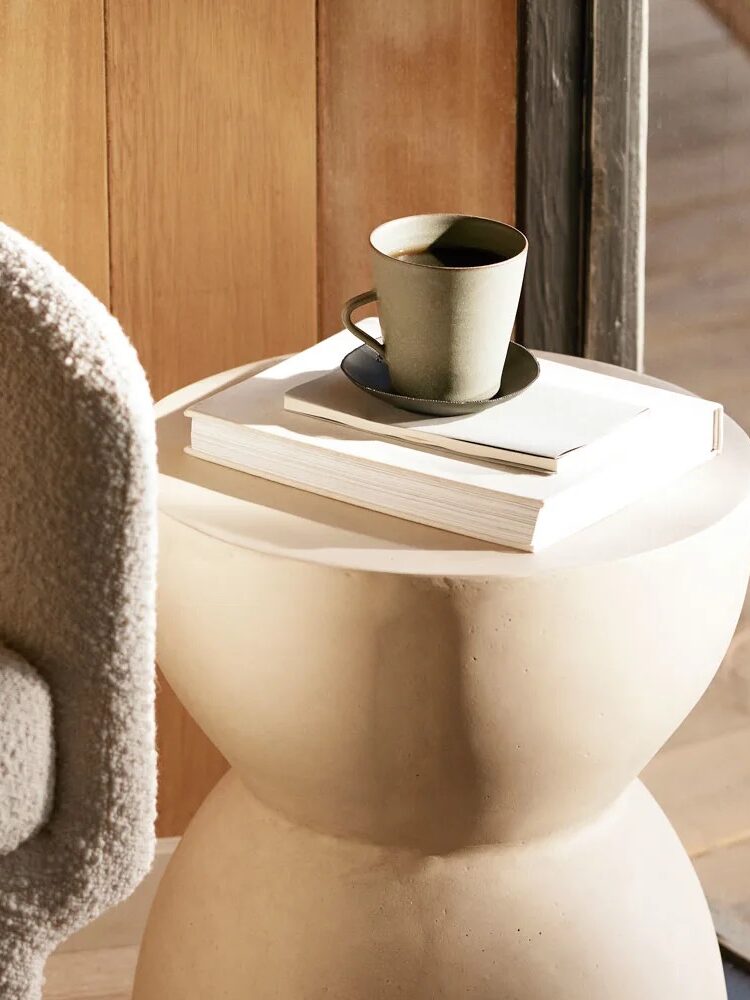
column 617, row 173
column 581, row 175
column 551, row 170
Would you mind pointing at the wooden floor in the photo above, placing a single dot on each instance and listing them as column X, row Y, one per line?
column 105, row 974
column 698, row 334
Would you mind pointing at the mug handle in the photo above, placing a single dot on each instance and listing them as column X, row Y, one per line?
column 346, row 318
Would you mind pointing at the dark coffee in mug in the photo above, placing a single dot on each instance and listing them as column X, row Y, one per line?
column 450, row 256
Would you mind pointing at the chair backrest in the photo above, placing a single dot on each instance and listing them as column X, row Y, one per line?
column 77, row 588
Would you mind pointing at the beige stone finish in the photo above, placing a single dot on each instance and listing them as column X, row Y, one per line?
column 435, row 744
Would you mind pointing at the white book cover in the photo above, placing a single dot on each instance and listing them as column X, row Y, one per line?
column 568, row 418
column 246, row 426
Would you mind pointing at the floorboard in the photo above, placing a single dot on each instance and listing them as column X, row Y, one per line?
column 698, row 334
column 105, row 974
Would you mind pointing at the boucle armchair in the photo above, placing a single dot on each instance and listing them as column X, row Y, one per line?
column 77, row 581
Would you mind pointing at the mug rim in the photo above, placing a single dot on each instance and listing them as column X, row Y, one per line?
column 448, row 217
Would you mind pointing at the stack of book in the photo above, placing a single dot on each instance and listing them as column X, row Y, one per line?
column 575, row 447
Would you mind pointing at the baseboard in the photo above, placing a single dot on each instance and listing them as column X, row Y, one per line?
column 123, row 925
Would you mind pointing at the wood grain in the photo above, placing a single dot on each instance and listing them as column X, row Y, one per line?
column 416, row 113
column 211, row 111
column 725, row 874
column 716, row 79
column 105, row 974
column 704, row 787
column 53, row 147
column 698, row 313
column 212, row 181
column 615, row 253
column 680, row 28
column 552, row 53
column 189, row 764
column 698, row 226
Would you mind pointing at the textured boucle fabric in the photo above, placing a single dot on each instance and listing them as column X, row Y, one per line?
column 77, row 581
column 27, row 751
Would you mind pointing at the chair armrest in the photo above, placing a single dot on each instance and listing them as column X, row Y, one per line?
column 27, row 751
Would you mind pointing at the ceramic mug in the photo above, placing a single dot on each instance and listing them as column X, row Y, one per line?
column 447, row 288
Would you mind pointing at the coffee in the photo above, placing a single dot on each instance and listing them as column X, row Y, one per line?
column 437, row 255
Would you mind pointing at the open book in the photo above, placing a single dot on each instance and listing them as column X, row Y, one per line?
column 247, row 427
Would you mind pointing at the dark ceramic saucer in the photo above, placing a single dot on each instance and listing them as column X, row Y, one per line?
column 369, row 372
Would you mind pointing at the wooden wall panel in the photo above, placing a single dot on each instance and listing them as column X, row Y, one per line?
column 211, row 112
column 53, row 149
column 416, row 113
column 212, row 178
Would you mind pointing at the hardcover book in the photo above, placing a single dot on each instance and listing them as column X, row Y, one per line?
column 574, row 448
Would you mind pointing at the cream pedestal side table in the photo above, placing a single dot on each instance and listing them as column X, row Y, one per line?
column 435, row 744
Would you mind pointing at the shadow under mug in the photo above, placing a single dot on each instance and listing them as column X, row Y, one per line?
column 446, row 329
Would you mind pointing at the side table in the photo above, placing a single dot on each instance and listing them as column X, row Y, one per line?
column 435, row 743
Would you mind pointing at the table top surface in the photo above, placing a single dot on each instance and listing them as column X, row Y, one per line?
column 254, row 513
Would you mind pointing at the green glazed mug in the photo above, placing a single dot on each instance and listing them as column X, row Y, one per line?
column 447, row 288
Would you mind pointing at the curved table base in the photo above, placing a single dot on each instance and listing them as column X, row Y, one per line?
column 253, row 906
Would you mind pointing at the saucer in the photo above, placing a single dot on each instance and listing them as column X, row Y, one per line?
column 369, row 372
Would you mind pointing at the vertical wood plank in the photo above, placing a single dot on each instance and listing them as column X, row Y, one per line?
column 213, row 224
column 582, row 176
column 551, row 169
column 212, row 181
column 53, row 145
column 416, row 113
column 617, row 210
